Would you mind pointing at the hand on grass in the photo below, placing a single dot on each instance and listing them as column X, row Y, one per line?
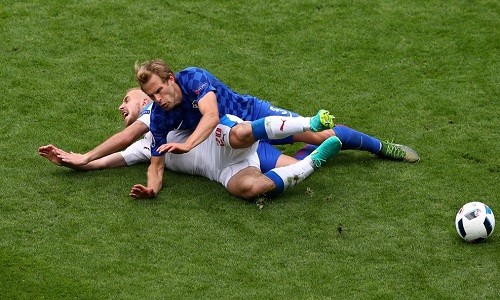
column 141, row 192
column 50, row 153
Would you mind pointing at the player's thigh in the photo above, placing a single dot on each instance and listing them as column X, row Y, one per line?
column 285, row 160
column 249, row 183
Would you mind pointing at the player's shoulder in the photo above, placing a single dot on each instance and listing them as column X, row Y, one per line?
column 147, row 109
column 145, row 116
column 190, row 73
column 191, row 69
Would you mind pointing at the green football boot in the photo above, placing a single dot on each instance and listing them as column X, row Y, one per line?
column 327, row 150
column 322, row 121
column 399, row 152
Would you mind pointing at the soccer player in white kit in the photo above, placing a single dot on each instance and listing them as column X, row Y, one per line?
column 213, row 159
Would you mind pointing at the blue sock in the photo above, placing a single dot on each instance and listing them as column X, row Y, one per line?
column 305, row 151
column 260, row 134
column 352, row 139
column 280, row 185
column 259, row 130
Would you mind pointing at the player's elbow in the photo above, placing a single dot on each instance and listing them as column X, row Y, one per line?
column 132, row 133
column 213, row 118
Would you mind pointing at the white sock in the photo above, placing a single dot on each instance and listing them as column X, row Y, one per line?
column 282, row 127
column 295, row 173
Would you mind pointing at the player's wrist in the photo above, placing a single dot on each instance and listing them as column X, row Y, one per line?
column 152, row 193
column 188, row 146
column 87, row 157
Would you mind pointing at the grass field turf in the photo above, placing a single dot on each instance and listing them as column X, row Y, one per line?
column 425, row 73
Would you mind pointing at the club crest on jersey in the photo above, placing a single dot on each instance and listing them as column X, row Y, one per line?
column 195, row 104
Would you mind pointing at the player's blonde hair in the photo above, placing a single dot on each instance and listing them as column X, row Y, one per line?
column 144, row 71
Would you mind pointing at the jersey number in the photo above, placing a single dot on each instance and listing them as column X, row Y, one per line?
column 219, row 137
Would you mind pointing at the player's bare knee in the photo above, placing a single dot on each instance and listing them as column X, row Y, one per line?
column 245, row 189
column 249, row 184
column 241, row 136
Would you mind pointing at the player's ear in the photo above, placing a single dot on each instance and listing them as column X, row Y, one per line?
column 171, row 78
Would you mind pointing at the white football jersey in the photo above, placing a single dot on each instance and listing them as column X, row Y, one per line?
column 145, row 116
column 213, row 158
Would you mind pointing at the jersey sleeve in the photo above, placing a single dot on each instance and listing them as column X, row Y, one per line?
column 196, row 83
column 138, row 152
column 145, row 116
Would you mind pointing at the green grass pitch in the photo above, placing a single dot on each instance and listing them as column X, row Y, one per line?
column 424, row 73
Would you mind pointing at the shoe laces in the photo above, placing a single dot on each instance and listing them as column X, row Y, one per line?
column 393, row 150
column 318, row 161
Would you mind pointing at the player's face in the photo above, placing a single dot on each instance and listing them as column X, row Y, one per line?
column 132, row 104
column 166, row 94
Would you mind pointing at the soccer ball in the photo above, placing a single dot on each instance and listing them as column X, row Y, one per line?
column 475, row 222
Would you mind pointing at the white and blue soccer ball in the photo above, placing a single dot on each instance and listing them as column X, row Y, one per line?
column 475, row 222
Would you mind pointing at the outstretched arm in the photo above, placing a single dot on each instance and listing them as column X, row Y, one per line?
column 209, row 120
column 109, row 161
column 117, row 142
column 155, row 180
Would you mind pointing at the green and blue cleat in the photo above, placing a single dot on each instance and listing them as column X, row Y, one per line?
column 399, row 152
column 322, row 121
column 327, row 150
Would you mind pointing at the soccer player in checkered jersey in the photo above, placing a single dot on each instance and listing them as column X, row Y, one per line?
column 195, row 99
